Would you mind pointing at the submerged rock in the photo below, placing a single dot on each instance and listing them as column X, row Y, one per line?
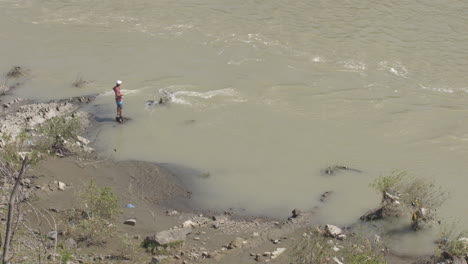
column 330, row 170
column 296, row 213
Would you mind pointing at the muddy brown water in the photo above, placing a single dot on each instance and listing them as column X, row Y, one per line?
column 266, row 94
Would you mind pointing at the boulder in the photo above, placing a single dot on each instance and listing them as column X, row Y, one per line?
column 170, row 236
column 333, row 231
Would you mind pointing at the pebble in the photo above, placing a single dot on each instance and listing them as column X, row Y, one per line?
column 131, row 222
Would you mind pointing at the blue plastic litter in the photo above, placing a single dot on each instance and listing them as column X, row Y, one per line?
column 130, row 206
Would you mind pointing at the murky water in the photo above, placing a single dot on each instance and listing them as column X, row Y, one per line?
column 267, row 93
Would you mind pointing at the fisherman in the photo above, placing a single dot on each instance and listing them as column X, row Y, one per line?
column 118, row 100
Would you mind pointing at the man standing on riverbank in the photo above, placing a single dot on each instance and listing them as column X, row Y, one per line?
column 118, row 100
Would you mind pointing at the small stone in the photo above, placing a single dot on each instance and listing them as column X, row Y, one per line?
column 189, row 223
column 236, row 243
column 277, row 252
column 333, row 231
column 70, row 243
column 266, row 254
column 376, row 239
column 341, row 237
column 215, row 225
column 337, row 261
column 275, row 241
column 158, row 259
column 259, row 258
column 196, row 238
column 172, row 212
column 83, row 140
column 61, row 186
column 255, row 234
column 131, row 222
column 137, row 237
column 52, row 235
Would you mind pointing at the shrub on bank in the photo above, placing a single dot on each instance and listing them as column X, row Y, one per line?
column 319, row 248
column 403, row 195
column 92, row 224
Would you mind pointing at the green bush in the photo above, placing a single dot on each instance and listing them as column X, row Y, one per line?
column 100, row 202
column 61, row 126
column 389, row 182
column 92, row 225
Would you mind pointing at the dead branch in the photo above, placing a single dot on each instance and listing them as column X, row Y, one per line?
column 11, row 204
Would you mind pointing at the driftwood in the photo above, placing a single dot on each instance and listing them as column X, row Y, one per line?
column 11, row 204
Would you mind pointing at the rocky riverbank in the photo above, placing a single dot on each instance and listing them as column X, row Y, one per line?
column 146, row 229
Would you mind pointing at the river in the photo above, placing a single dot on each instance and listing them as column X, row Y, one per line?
column 266, row 94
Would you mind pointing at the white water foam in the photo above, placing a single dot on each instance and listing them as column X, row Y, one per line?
column 179, row 97
column 435, row 89
column 353, row 66
column 395, row 67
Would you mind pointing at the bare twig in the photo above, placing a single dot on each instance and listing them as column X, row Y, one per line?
column 11, row 204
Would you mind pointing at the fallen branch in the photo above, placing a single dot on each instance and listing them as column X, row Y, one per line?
column 11, row 204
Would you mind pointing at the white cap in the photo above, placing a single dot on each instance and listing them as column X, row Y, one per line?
column 119, row 82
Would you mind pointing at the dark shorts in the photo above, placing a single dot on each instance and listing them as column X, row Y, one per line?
column 119, row 105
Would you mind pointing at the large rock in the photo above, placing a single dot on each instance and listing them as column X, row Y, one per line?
column 333, row 231
column 170, row 236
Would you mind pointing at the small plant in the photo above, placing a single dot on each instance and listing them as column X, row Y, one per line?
column 366, row 257
column 93, row 224
column 58, row 131
column 66, row 255
column 453, row 242
column 128, row 247
column 100, row 201
column 403, row 194
column 356, row 249
column 388, row 183
column 15, row 149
